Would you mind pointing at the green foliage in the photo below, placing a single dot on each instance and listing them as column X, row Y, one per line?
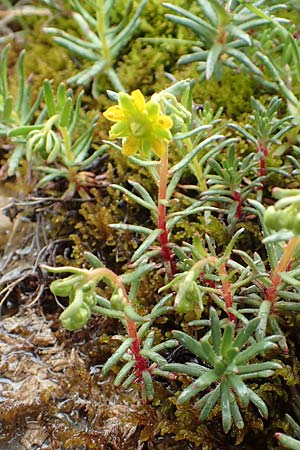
column 285, row 440
column 266, row 129
column 284, row 215
column 223, row 35
column 229, row 367
column 47, row 138
column 185, row 225
column 16, row 112
column 226, row 184
column 141, row 359
column 104, row 41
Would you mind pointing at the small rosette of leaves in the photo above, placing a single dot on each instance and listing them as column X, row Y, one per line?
column 16, row 112
column 53, row 138
column 227, row 186
column 222, row 378
column 101, row 41
column 55, row 145
column 224, row 33
column 266, row 130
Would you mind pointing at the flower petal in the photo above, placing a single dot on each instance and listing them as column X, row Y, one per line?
column 114, row 113
column 130, row 146
column 164, row 122
column 139, row 99
column 159, row 147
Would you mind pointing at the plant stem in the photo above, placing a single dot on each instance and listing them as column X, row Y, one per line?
column 286, row 258
column 236, row 195
column 167, row 255
column 68, row 146
column 100, row 14
column 226, row 287
column 141, row 363
column 263, row 150
column 226, row 291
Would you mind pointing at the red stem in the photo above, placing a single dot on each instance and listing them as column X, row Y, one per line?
column 282, row 266
column 167, row 255
column 141, row 363
column 237, row 198
column 262, row 148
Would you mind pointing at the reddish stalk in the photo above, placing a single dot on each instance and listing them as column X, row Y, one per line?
column 237, row 198
column 282, row 266
column 226, row 291
column 141, row 363
column 262, row 148
column 167, row 255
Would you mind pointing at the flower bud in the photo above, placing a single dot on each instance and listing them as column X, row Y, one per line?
column 287, row 218
column 77, row 320
column 271, row 218
column 188, row 295
column 66, row 286
column 77, row 314
column 89, row 294
column 90, row 298
column 117, row 300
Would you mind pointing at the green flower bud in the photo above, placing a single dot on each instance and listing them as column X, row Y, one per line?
column 188, row 294
column 90, row 298
column 271, row 218
column 283, row 219
column 118, row 301
column 66, row 286
column 77, row 320
column 289, row 217
column 77, row 314
column 89, row 294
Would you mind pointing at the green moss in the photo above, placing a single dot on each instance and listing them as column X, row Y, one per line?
column 232, row 93
column 47, row 60
column 186, row 230
column 144, row 67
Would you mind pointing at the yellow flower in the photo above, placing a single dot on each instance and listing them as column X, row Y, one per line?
column 141, row 125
